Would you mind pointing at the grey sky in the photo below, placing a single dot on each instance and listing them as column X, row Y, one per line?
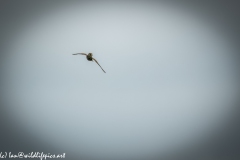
column 170, row 78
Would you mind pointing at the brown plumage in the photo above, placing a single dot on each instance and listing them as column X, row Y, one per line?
column 90, row 58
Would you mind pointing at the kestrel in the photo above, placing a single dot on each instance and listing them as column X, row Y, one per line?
column 90, row 58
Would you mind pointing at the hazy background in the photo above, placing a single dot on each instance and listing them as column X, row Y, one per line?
column 171, row 90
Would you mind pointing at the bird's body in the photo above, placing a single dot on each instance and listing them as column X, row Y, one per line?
column 90, row 58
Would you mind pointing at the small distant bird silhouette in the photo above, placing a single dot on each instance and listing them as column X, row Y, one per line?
column 90, row 58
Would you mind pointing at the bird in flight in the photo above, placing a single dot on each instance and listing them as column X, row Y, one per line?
column 90, row 58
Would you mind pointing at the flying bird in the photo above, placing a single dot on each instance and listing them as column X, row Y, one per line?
column 90, row 58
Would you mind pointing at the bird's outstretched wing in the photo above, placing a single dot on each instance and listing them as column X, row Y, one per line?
column 80, row 53
column 98, row 64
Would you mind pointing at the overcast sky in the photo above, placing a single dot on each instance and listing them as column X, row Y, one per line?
column 170, row 78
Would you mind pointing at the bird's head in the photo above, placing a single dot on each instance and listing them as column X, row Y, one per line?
column 90, row 54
